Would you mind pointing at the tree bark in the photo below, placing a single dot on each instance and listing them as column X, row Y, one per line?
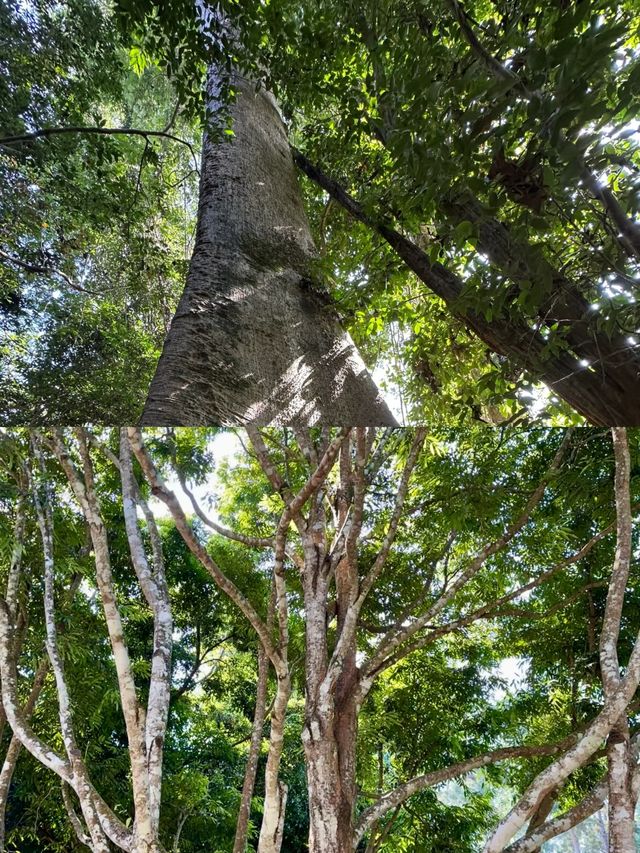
column 621, row 799
column 83, row 487
column 242, row 825
column 275, row 791
column 255, row 338
column 619, row 757
column 154, row 589
column 331, row 720
column 329, row 739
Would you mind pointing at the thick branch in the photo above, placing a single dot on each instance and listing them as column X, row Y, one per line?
column 160, row 490
column 511, row 337
column 592, row 803
column 398, row 795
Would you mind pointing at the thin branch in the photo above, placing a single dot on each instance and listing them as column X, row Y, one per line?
column 379, row 562
column 46, row 132
column 615, row 703
column 74, row 820
column 488, row 610
column 398, row 636
column 161, row 491
column 36, row 269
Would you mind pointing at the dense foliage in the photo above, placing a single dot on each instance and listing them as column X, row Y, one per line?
column 96, row 229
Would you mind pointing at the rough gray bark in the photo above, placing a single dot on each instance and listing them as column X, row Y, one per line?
column 255, row 339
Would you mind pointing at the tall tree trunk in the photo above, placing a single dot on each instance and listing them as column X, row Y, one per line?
column 255, row 339
column 275, row 793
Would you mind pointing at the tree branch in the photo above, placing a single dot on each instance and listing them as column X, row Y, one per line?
column 511, row 337
column 615, row 703
column 36, row 269
column 47, row 132
column 399, row 635
column 398, row 795
column 160, row 490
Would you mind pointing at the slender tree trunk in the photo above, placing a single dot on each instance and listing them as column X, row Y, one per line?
column 275, row 791
column 619, row 757
column 242, row 825
column 621, row 799
column 275, row 794
column 145, row 839
column 154, row 588
column 255, row 339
